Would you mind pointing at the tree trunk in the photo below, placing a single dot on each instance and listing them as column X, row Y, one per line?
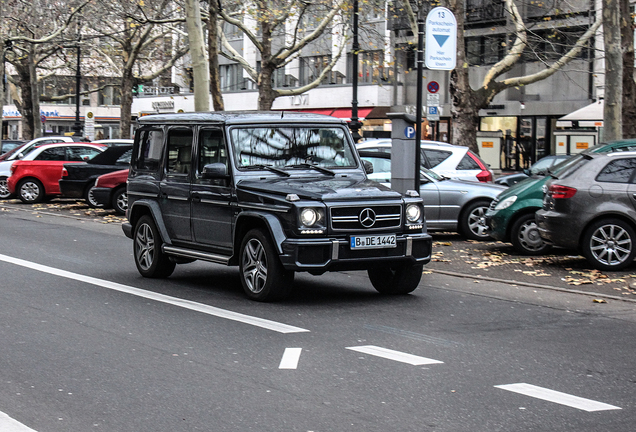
column 612, row 129
column 200, row 68
column 35, row 97
column 213, row 56
column 629, row 85
column 266, row 93
column 25, row 107
column 127, row 82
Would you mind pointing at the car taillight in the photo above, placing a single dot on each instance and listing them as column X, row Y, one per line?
column 64, row 172
column 561, row 192
column 484, row 176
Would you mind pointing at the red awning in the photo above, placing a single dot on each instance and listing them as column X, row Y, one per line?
column 324, row 111
column 345, row 113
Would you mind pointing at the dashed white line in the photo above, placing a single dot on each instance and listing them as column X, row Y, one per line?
column 394, row 355
column 290, row 359
column 557, row 397
column 186, row 304
column 7, row 424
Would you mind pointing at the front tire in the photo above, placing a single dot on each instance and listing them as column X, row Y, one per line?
column 90, row 198
column 609, row 244
column 473, row 221
column 4, row 189
column 262, row 274
column 525, row 237
column 149, row 259
column 396, row 279
column 120, row 201
column 30, row 191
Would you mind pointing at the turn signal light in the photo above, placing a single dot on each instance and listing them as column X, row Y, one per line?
column 64, row 172
column 561, row 192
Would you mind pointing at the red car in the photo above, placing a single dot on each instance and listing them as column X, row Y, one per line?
column 110, row 191
column 37, row 175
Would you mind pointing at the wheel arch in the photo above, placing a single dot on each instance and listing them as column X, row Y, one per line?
column 472, row 201
column 518, row 215
column 141, row 208
column 249, row 219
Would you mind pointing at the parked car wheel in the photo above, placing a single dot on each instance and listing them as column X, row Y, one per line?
column 120, row 201
column 90, row 198
column 150, row 260
column 4, row 189
column 30, row 191
column 472, row 221
column 397, row 279
column 262, row 275
column 609, row 244
column 525, row 237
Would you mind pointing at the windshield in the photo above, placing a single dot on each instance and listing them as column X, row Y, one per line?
column 562, row 167
column 281, row 146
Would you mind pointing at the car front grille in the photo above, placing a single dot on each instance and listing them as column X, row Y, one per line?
column 356, row 218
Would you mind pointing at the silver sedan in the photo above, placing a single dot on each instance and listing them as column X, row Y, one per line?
column 450, row 205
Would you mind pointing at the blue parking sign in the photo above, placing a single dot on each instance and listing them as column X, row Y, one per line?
column 409, row 132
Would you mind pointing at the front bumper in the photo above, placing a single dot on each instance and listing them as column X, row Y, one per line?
column 557, row 229
column 497, row 223
column 102, row 196
column 322, row 255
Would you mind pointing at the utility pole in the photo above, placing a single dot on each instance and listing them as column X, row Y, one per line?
column 355, row 124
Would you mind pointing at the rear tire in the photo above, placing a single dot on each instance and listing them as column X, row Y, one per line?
column 262, row 274
column 396, row 279
column 30, row 191
column 149, row 259
column 90, row 198
column 609, row 244
column 120, row 201
column 524, row 236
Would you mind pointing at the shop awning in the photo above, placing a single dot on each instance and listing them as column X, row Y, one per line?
column 592, row 113
column 345, row 113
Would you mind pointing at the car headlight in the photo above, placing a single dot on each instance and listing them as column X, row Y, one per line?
column 413, row 213
column 309, row 217
column 506, row 203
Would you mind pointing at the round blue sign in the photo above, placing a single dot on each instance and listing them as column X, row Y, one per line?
column 409, row 132
column 433, row 87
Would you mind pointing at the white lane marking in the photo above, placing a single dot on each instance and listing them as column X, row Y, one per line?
column 557, row 397
column 186, row 304
column 290, row 358
column 394, row 355
column 7, row 424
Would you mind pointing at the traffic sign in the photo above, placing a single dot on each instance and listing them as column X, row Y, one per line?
column 43, row 118
column 432, row 87
column 432, row 99
column 432, row 113
column 409, row 132
column 441, row 39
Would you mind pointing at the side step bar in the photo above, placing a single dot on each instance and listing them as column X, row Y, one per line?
column 189, row 253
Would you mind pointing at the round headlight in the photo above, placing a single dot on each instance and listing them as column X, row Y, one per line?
column 413, row 213
column 309, row 217
column 506, row 203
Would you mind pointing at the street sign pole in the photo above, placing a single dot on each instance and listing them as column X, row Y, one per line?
column 418, row 107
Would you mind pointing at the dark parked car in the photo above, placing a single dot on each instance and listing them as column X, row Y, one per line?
column 592, row 208
column 273, row 193
column 110, row 191
column 7, row 145
column 78, row 180
column 540, row 167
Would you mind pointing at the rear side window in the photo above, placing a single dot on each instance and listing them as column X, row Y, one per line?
column 52, row 154
column 436, row 157
column 617, row 171
column 468, row 163
column 179, row 151
column 148, row 152
column 78, row 154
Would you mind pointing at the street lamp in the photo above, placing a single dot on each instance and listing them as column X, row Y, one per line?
column 355, row 124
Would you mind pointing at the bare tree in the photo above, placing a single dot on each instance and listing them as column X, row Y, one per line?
column 213, row 55
column 271, row 18
column 629, row 85
column 198, row 56
column 612, row 128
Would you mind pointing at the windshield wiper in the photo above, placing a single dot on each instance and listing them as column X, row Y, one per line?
column 269, row 168
column 310, row 166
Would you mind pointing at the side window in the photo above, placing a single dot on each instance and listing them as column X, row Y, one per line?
column 212, row 148
column 179, row 151
column 617, row 171
column 80, row 153
column 124, row 159
column 149, row 149
column 52, row 154
column 436, row 157
column 468, row 163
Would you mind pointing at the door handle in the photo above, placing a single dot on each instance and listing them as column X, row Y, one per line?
column 196, row 197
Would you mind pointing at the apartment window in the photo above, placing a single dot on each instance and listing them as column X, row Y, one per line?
column 370, row 67
column 231, row 77
column 550, row 45
column 109, row 96
column 312, row 67
column 484, row 50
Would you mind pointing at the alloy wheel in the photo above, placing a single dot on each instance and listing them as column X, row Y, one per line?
column 145, row 247
column 611, row 245
column 255, row 266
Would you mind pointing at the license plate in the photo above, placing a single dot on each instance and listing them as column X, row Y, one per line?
column 373, row 241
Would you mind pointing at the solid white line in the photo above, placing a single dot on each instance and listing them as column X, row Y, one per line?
column 290, row 358
column 7, row 424
column 186, row 304
column 394, row 355
column 557, row 397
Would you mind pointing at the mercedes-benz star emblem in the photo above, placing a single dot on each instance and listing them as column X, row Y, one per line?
column 367, row 218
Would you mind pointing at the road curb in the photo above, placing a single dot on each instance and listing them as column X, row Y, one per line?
column 533, row 285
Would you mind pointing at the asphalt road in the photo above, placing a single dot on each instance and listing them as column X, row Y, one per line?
column 88, row 344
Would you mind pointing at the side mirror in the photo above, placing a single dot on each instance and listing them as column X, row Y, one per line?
column 527, row 172
column 368, row 167
column 215, row 171
column 20, row 155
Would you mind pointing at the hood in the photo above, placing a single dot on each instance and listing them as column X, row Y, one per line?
column 327, row 188
column 528, row 185
column 486, row 188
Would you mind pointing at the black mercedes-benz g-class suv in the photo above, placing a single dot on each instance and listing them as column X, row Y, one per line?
column 273, row 193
